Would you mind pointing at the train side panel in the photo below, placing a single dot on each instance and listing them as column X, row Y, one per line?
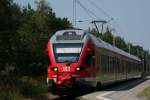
column 112, row 67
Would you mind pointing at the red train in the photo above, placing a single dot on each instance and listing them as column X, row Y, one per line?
column 77, row 56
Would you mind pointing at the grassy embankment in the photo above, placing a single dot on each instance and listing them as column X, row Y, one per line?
column 145, row 93
column 21, row 87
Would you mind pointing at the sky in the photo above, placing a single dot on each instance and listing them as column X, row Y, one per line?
column 131, row 17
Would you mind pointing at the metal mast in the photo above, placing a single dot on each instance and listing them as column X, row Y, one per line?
column 74, row 13
column 99, row 21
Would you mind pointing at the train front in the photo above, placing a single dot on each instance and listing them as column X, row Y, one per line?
column 67, row 51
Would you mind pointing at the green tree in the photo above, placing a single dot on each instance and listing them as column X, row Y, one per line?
column 139, row 51
column 120, row 43
column 35, row 30
column 108, row 36
column 9, row 21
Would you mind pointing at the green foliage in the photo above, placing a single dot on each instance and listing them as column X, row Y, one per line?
column 120, row 43
column 33, row 90
column 9, row 95
column 108, row 37
column 24, row 33
column 16, row 87
column 9, row 21
column 145, row 93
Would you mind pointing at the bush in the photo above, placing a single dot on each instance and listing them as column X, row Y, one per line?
column 9, row 95
column 29, row 90
column 14, row 88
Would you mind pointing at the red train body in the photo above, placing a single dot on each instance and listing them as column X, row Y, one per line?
column 63, row 72
column 74, row 56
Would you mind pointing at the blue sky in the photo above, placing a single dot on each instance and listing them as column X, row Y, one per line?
column 132, row 17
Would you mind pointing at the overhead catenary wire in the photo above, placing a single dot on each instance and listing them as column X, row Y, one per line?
column 108, row 15
column 118, row 26
column 92, row 15
column 89, row 12
column 99, row 8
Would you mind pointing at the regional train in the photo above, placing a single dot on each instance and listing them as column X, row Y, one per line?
column 76, row 56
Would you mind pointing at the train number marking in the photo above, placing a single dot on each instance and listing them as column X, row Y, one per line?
column 66, row 69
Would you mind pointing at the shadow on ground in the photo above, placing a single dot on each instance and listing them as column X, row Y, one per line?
column 75, row 93
column 124, row 85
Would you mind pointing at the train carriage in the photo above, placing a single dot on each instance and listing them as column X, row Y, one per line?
column 77, row 56
column 114, row 63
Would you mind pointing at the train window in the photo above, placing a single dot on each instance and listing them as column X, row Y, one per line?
column 117, row 64
column 129, row 66
column 110, row 64
column 122, row 66
column 138, row 66
column 105, row 63
column 70, row 35
column 90, row 58
column 134, row 64
column 113, row 64
column 67, row 52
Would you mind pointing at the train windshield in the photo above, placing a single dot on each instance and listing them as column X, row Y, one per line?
column 67, row 52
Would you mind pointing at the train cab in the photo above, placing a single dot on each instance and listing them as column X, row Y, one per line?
column 71, row 54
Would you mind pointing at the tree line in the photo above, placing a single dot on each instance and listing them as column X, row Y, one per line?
column 24, row 33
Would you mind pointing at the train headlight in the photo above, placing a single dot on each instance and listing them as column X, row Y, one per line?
column 55, row 69
column 78, row 69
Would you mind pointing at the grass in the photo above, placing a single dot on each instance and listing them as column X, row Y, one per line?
column 145, row 93
column 18, row 88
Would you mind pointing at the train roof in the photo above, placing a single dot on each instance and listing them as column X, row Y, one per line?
column 72, row 35
column 102, row 44
column 77, row 34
